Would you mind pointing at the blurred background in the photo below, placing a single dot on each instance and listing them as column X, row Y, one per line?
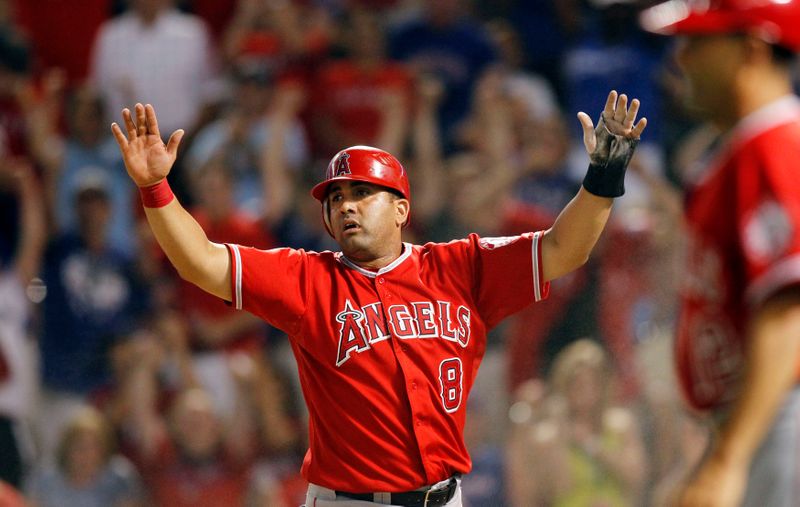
column 121, row 385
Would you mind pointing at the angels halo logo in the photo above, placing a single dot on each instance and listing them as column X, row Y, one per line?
column 342, row 165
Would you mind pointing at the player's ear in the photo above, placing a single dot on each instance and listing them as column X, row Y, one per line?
column 402, row 209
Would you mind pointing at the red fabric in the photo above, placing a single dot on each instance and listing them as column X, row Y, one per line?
column 156, row 196
column 5, row 369
column 262, row 44
column 13, row 132
column 351, row 97
column 216, row 13
column 744, row 244
column 239, row 229
column 63, row 31
column 387, row 359
column 174, row 483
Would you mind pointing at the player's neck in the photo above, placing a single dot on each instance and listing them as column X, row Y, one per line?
column 377, row 262
column 758, row 90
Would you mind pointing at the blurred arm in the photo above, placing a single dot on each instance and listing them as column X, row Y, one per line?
column 33, row 228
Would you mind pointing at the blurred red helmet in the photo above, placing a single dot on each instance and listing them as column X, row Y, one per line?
column 363, row 163
column 775, row 21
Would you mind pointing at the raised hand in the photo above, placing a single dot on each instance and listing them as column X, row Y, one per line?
column 147, row 159
column 617, row 118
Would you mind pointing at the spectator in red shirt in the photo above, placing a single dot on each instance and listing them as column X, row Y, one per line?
column 215, row 326
column 357, row 100
column 189, row 453
column 58, row 44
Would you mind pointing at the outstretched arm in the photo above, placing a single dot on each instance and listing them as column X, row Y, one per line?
column 567, row 244
column 148, row 161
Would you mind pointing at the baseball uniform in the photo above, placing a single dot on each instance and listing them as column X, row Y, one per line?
column 744, row 245
column 387, row 358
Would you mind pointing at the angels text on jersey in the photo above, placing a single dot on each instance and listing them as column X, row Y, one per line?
column 360, row 328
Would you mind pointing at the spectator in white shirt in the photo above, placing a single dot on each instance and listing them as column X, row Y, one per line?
column 152, row 39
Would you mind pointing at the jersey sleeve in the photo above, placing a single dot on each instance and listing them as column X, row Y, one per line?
column 507, row 274
column 769, row 218
column 271, row 284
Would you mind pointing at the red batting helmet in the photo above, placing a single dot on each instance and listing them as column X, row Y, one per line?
column 775, row 21
column 363, row 163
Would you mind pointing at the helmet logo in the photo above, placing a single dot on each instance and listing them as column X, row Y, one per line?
column 342, row 165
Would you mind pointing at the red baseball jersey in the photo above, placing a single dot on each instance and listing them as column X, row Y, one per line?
column 743, row 217
column 387, row 358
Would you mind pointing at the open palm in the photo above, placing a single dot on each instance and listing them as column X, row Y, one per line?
column 147, row 159
column 617, row 118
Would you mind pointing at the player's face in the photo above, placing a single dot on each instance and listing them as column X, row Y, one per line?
column 366, row 219
column 710, row 63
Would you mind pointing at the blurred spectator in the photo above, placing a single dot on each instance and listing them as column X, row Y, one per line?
column 362, row 99
column 429, row 178
column 217, row 330
column 450, row 46
column 544, row 28
column 93, row 300
column 17, row 357
column 193, row 456
column 290, row 37
column 88, row 150
column 533, row 93
column 484, row 486
column 15, row 63
column 527, row 407
column 215, row 210
column 300, row 226
column 216, row 13
column 258, row 138
column 613, row 53
column 175, row 46
column 585, row 451
column 87, row 472
column 185, row 462
column 57, row 44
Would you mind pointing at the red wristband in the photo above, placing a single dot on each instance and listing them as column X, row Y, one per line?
column 156, row 196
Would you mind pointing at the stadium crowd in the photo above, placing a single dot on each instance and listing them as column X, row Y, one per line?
column 121, row 385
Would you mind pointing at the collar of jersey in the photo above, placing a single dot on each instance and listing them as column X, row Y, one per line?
column 779, row 112
column 372, row 274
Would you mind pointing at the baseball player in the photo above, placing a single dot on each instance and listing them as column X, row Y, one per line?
column 388, row 335
column 738, row 341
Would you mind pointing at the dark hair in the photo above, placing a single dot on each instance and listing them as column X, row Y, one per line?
column 783, row 55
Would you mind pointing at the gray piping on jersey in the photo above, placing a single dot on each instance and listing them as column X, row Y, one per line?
column 237, row 261
column 372, row 274
column 537, row 289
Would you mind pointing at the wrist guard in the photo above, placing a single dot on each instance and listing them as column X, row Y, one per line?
column 608, row 163
column 156, row 196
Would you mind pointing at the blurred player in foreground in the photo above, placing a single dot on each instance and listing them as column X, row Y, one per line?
column 388, row 335
column 738, row 348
